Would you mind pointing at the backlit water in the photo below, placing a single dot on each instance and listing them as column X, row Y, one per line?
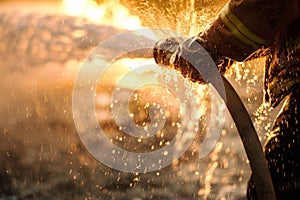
column 42, row 156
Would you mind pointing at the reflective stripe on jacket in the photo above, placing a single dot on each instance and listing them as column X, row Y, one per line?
column 246, row 26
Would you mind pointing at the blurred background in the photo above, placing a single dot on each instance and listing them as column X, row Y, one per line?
column 42, row 47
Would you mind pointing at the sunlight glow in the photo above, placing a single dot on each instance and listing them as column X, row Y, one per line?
column 109, row 12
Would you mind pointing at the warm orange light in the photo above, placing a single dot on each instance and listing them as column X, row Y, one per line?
column 112, row 13
column 109, row 12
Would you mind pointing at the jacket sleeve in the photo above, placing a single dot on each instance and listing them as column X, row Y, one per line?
column 244, row 26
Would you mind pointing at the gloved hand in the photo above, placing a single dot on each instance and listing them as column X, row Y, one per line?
column 185, row 54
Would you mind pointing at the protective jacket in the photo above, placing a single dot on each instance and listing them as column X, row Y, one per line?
column 245, row 26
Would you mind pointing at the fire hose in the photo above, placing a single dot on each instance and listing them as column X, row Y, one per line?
column 246, row 130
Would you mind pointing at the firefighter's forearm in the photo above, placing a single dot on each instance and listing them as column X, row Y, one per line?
column 243, row 27
column 264, row 18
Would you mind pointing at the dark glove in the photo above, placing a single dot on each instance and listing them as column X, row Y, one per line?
column 188, row 56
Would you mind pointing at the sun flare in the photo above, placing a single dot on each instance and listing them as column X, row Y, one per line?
column 108, row 12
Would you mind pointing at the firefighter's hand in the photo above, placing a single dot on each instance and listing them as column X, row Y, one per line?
column 165, row 49
column 183, row 55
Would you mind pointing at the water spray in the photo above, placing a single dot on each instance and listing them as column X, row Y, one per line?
column 246, row 130
column 195, row 58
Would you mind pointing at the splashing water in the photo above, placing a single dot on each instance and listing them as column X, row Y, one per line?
column 188, row 17
column 39, row 68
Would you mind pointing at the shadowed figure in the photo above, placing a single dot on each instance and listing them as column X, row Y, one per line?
column 243, row 30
